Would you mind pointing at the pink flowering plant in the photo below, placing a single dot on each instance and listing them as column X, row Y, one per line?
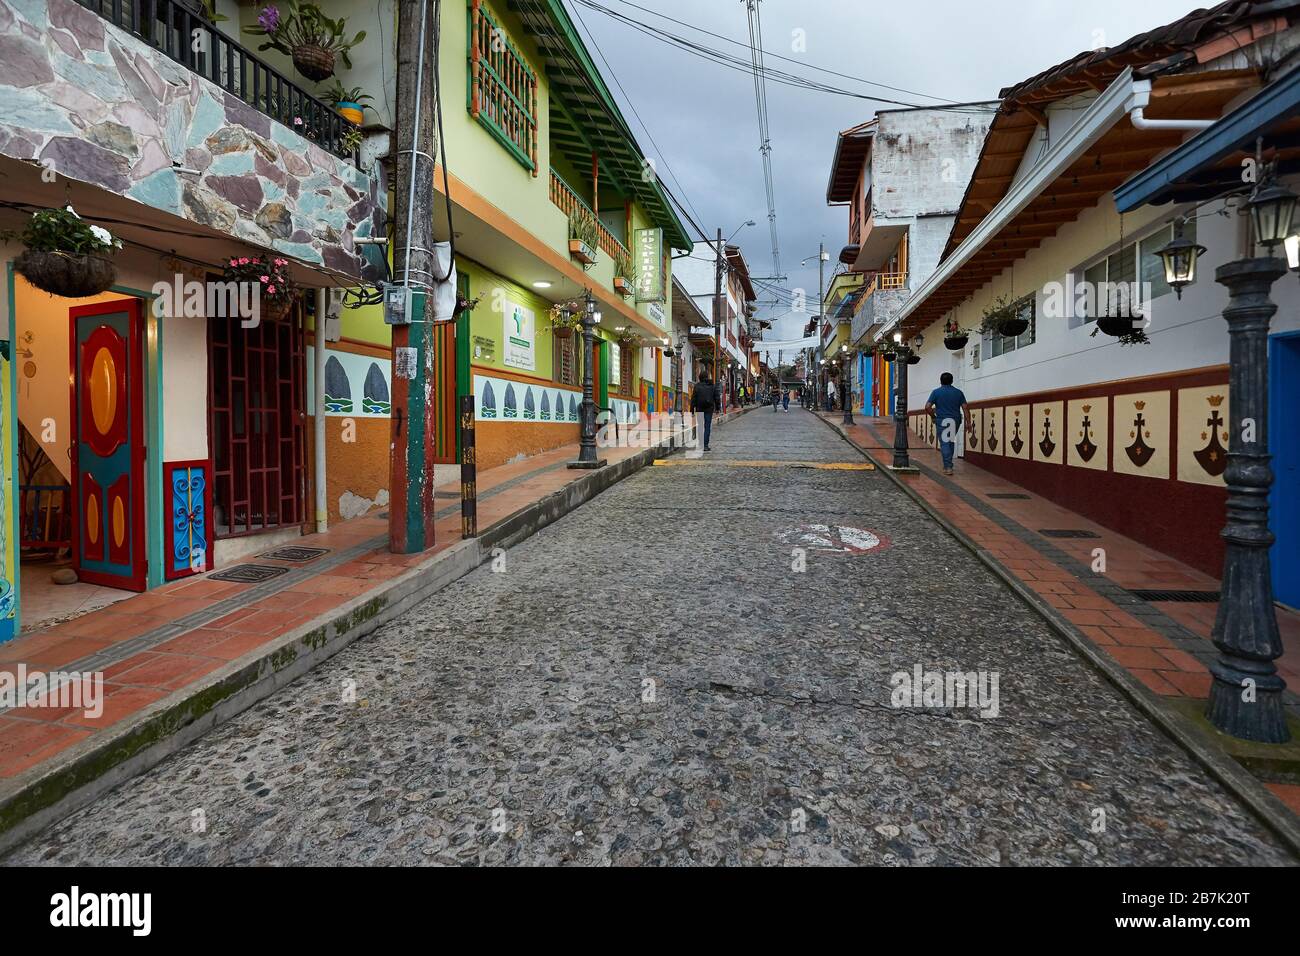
column 269, row 272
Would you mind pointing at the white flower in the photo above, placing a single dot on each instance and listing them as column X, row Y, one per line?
column 102, row 234
column 71, row 210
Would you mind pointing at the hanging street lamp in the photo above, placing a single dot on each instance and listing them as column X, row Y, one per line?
column 1179, row 257
column 1272, row 210
column 587, row 415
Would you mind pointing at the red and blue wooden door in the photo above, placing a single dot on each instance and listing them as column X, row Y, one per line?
column 108, row 444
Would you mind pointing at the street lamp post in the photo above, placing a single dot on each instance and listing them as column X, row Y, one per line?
column 587, row 415
column 901, row 460
column 1246, row 695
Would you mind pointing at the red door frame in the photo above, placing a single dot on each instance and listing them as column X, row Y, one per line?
column 135, row 387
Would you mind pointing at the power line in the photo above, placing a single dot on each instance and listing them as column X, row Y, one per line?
column 764, row 128
column 651, row 136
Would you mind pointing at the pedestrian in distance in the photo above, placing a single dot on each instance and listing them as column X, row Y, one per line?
column 775, row 396
column 705, row 401
column 785, row 400
column 947, row 406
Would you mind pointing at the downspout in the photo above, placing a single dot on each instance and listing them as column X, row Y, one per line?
column 1142, row 98
column 318, row 423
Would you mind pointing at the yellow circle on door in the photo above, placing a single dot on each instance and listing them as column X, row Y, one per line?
column 103, row 390
column 92, row 519
column 119, row 522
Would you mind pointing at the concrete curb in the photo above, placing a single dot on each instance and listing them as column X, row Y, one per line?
column 1237, row 780
column 52, row 790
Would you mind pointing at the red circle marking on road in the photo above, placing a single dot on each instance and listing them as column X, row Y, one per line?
column 834, row 539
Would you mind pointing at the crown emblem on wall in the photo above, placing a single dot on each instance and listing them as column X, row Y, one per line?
column 1139, row 405
column 1087, row 409
column 1215, row 400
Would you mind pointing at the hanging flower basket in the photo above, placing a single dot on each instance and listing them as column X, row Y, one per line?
column 71, row 275
column 65, row 255
column 913, row 359
column 276, row 291
column 1012, row 327
column 889, row 356
column 313, row 61
column 955, row 343
column 1115, row 325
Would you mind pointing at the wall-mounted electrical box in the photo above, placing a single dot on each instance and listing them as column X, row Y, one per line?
column 397, row 305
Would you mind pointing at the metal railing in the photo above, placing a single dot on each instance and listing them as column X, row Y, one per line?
column 190, row 39
column 563, row 196
column 881, row 280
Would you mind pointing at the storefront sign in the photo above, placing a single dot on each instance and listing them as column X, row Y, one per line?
column 650, row 265
column 520, row 337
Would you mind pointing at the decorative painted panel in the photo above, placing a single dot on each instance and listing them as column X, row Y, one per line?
column 189, row 533
column 502, row 399
column 975, row 436
column 8, row 507
column 1019, row 431
column 356, row 386
column 992, row 434
column 1048, row 435
column 1203, row 434
column 1088, row 445
column 1140, row 444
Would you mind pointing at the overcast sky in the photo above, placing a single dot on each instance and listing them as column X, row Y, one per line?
column 703, row 116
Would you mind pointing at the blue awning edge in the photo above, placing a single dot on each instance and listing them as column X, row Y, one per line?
column 1187, row 173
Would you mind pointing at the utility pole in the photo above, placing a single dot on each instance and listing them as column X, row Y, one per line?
column 821, row 317
column 411, row 511
column 717, row 323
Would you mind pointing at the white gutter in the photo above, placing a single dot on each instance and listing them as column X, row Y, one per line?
column 318, row 422
column 1106, row 110
column 1142, row 97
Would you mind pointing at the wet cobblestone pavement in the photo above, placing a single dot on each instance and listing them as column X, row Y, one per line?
column 648, row 681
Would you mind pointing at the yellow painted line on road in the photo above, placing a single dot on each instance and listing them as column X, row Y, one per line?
column 759, row 463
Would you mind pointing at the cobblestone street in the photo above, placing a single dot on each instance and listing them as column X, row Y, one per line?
column 653, row 680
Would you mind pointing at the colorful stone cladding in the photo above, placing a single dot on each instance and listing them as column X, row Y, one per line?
column 99, row 106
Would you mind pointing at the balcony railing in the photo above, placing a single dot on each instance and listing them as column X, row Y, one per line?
column 193, row 41
column 563, row 196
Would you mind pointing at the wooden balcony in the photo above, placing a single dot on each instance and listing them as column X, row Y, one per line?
column 568, row 201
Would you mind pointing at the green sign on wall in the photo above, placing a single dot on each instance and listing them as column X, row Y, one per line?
column 650, row 265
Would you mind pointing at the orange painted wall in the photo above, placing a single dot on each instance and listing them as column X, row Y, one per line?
column 360, row 467
column 499, row 442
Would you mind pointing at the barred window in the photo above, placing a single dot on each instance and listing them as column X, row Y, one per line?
column 502, row 87
column 566, row 360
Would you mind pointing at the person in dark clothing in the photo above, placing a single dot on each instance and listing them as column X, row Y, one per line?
column 705, row 400
column 947, row 406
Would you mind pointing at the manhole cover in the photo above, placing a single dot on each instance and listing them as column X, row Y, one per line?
column 295, row 554
column 248, row 573
column 833, row 538
column 1066, row 533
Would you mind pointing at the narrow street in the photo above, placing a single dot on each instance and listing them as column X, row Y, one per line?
column 652, row 680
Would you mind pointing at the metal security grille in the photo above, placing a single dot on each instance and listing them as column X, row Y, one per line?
column 258, row 386
column 566, row 360
column 502, row 87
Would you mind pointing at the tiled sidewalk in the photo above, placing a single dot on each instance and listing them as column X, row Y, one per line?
column 1164, row 644
column 152, row 645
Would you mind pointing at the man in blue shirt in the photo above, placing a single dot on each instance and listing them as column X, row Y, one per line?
column 947, row 406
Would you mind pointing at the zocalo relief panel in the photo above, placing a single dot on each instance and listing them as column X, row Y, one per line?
column 97, row 105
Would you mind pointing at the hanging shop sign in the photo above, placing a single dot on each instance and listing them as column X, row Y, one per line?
column 650, row 265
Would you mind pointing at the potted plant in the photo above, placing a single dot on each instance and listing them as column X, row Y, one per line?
column 1123, row 329
column 1003, row 318
column 311, row 39
column 624, row 274
column 65, row 255
column 889, row 355
column 277, row 292
column 583, row 236
column 954, row 336
column 347, row 102
column 566, row 318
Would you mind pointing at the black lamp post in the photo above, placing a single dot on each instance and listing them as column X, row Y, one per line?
column 901, row 460
column 846, row 386
column 587, row 415
column 1246, row 695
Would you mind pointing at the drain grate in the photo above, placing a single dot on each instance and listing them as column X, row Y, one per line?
column 1066, row 533
column 1009, row 496
column 300, row 555
column 1186, row 597
column 248, row 573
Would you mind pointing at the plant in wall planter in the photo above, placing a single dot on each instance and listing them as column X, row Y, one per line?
column 566, row 318
column 624, row 274
column 583, row 237
column 954, row 336
column 312, row 40
column 1003, row 318
column 347, row 102
column 1123, row 328
column 65, row 255
column 277, row 292
column 889, row 356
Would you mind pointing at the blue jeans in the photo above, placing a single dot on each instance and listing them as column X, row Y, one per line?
column 708, row 425
column 947, row 427
column 785, row 402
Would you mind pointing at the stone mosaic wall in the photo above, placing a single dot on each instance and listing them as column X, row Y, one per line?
column 99, row 106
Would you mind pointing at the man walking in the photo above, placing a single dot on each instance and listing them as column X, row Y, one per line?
column 705, row 400
column 785, row 399
column 947, row 406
